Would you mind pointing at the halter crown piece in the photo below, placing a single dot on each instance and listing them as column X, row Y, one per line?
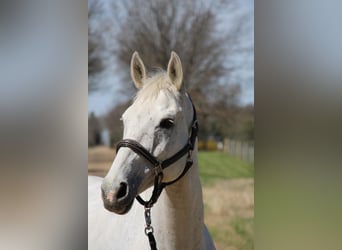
column 158, row 167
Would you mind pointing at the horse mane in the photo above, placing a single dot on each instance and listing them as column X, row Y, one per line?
column 155, row 83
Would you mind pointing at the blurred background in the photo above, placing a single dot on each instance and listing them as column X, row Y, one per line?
column 215, row 41
column 44, row 113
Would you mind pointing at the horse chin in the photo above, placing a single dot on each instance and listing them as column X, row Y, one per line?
column 122, row 209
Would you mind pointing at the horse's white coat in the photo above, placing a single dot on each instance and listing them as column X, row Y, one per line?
column 177, row 217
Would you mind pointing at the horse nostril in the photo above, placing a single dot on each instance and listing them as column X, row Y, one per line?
column 122, row 190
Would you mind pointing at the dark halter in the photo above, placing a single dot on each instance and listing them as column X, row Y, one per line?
column 158, row 167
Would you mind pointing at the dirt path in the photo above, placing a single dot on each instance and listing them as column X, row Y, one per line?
column 100, row 160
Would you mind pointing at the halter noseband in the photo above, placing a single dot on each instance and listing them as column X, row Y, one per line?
column 159, row 166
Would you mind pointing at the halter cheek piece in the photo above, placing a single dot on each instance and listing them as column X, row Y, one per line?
column 158, row 167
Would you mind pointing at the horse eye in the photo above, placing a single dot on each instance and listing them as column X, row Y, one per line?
column 166, row 123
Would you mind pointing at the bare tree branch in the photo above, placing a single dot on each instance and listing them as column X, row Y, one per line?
column 154, row 28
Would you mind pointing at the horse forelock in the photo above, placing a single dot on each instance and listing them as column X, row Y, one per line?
column 154, row 84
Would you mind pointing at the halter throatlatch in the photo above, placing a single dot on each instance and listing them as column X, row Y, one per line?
column 158, row 167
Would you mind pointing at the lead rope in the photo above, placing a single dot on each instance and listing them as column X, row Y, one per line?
column 158, row 187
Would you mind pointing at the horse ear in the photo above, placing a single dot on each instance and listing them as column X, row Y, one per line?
column 174, row 70
column 138, row 72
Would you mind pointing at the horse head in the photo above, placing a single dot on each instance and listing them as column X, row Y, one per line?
column 160, row 120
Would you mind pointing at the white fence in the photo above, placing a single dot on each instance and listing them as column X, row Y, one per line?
column 239, row 149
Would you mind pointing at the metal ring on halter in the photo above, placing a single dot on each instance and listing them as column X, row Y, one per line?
column 158, row 169
column 190, row 154
column 148, row 230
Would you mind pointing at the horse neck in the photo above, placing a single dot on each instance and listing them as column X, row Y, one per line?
column 178, row 214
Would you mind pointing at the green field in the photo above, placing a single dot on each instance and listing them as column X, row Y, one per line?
column 228, row 188
column 219, row 166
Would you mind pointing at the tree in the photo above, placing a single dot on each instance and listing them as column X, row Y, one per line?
column 239, row 128
column 113, row 121
column 95, row 47
column 94, row 130
column 155, row 28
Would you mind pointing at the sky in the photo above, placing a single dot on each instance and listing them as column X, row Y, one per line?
column 103, row 101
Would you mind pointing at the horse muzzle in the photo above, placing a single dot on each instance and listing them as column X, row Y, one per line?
column 118, row 200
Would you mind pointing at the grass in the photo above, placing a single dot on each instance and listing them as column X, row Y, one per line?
column 243, row 227
column 219, row 166
column 238, row 234
column 228, row 199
